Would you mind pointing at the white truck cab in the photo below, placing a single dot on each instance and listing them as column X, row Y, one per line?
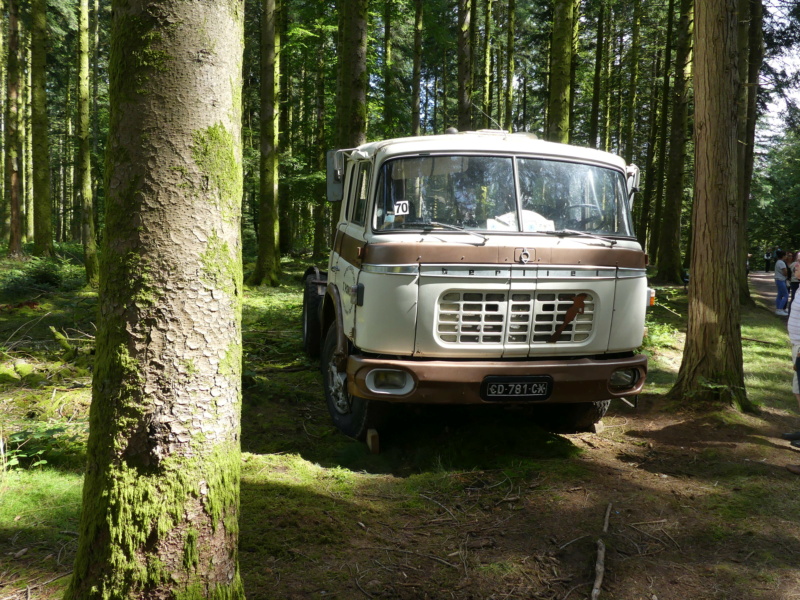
column 478, row 268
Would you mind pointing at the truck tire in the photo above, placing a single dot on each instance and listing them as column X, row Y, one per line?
column 353, row 416
column 573, row 417
column 312, row 328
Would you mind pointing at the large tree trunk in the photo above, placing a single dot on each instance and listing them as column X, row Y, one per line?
column 464, row 64
column 269, row 254
column 417, row 68
column 320, row 222
column 91, row 261
column 13, row 145
column 669, row 248
column 161, row 493
column 560, row 67
column 712, row 369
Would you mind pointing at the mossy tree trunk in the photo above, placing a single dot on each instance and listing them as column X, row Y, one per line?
column 84, row 150
column 669, row 248
column 267, row 267
column 12, row 139
column 161, row 493
column 43, row 229
column 712, row 370
column 560, row 69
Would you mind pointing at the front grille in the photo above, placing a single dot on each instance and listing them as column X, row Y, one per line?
column 517, row 318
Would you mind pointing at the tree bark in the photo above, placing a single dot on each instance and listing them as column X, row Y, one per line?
column 464, row 64
column 633, row 82
column 487, row 63
column 509, row 95
column 711, row 370
column 43, row 229
column 661, row 154
column 91, row 260
column 750, row 25
column 417, row 68
column 161, row 492
column 267, row 267
column 594, row 115
column 669, row 253
column 13, row 145
column 560, row 66
column 352, row 103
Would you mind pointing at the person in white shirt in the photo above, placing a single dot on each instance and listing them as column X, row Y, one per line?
column 793, row 326
column 781, row 271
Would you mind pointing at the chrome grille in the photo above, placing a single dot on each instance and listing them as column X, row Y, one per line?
column 516, row 318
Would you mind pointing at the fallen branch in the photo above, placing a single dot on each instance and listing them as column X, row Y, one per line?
column 599, row 569
column 608, row 515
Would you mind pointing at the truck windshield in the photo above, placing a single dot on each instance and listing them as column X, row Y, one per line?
column 479, row 193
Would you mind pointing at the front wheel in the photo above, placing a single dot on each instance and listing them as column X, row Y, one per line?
column 352, row 415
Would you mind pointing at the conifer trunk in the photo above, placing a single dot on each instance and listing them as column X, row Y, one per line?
column 13, row 145
column 560, row 68
column 509, row 95
column 669, row 248
column 711, row 370
column 464, row 66
column 161, row 493
column 43, row 230
column 91, row 260
column 417, row 68
column 267, row 267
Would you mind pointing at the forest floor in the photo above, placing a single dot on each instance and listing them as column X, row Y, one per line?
column 464, row 504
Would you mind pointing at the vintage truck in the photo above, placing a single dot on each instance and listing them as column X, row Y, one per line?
column 478, row 268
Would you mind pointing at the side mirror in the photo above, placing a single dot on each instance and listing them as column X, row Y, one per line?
column 633, row 176
column 335, row 175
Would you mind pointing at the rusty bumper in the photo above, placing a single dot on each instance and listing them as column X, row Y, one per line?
column 459, row 382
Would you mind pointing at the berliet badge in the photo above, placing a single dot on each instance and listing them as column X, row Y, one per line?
column 524, row 256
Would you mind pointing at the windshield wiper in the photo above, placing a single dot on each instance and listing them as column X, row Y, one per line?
column 566, row 232
column 431, row 225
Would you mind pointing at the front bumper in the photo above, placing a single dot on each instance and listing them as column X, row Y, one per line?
column 459, row 382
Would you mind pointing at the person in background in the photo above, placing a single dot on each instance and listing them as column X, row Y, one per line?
column 781, row 272
column 793, row 326
column 794, row 281
column 767, row 261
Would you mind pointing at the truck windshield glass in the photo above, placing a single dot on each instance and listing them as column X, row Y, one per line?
column 447, row 192
column 478, row 193
column 565, row 195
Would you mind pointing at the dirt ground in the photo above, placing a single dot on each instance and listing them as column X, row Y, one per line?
column 664, row 504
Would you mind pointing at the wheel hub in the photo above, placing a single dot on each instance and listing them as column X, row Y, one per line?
column 338, row 389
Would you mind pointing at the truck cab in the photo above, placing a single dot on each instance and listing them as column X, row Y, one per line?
column 478, row 268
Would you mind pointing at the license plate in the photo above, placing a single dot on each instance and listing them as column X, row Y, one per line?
column 526, row 387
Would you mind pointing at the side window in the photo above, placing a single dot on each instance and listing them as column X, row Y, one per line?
column 360, row 193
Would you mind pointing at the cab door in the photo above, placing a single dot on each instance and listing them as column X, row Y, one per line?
column 350, row 240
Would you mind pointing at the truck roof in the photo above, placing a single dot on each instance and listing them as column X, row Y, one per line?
column 491, row 141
